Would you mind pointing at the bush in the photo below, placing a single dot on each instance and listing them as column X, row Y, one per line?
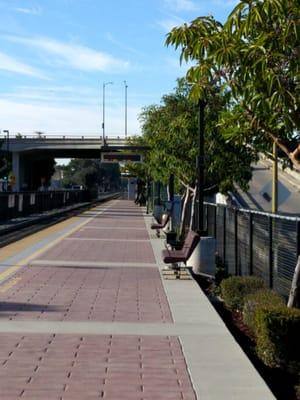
column 235, row 288
column 263, row 297
column 277, row 336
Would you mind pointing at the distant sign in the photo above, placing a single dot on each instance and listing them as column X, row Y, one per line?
column 115, row 157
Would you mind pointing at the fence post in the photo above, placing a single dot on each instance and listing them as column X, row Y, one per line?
column 270, row 252
column 224, row 236
column 215, row 222
column 250, row 244
column 298, row 237
column 236, row 267
column 206, row 228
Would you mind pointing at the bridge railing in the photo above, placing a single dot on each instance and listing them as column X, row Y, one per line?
column 23, row 204
column 61, row 136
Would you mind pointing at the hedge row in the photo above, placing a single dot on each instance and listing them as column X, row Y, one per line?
column 236, row 288
column 277, row 336
column 275, row 326
column 254, row 301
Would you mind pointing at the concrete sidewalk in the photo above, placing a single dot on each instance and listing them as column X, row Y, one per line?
column 89, row 317
column 218, row 367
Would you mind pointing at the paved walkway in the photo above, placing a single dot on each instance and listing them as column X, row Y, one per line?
column 86, row 315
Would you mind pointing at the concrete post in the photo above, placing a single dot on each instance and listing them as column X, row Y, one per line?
column 16, row 170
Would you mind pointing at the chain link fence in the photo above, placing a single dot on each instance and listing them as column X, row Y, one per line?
column 255, row 243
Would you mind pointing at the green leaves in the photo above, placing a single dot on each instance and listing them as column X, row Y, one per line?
column 171, row 130
column 254, row 58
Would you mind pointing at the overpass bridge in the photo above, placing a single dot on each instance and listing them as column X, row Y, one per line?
column 27, row 148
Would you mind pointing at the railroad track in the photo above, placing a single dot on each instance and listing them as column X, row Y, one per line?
column 16, row 232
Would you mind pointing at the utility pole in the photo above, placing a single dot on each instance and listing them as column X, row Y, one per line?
column 7, row 140
column 275, row 180
column 103, row 110
column 200, row 165
column 126, row 87
column 7, row 156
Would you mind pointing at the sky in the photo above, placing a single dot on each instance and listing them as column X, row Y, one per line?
column 55, row 56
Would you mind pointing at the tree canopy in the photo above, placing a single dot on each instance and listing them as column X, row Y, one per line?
column 91, row 173
column 42, row 170
column 171, row 131
column 254, row 59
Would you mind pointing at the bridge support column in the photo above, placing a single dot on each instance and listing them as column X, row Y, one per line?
column 18, row 171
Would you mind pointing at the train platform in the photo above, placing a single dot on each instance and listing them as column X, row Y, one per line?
column 86, row 314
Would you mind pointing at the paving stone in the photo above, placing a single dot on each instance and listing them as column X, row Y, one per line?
column 88, row 367
column 115, row 294
column 69, row 367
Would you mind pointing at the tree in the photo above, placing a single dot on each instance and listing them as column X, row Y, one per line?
column 254, row 59
column 92, row 173
column 42, row 171
column 4, row 166
column 170, row 129
column 171, row 132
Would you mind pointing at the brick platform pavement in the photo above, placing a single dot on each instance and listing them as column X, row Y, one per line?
column 96, row 294
column 66, row 367
column 74, row 366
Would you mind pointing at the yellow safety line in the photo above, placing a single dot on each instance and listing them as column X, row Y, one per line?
column 14, row 268
column 9, row 284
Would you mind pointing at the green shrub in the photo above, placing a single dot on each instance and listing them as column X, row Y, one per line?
column 277, row 336
column 262, row 297
column 235, row 288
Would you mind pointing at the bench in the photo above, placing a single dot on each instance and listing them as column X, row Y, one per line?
column 162, row 224
column 182, row 255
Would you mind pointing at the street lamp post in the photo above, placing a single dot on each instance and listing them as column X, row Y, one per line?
column 275, row 180
column 200, row 166
column 126, row 87
column 103, row 110
column 7, row 154
column 7, row 140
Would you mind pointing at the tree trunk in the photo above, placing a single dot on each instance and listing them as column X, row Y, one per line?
column 294, row 293
column 3, row 168
column 186, row 199
column 193, row 208
column 294, row 155
column 168, row 192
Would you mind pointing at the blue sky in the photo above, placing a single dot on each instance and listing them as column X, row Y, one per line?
column 56, row 54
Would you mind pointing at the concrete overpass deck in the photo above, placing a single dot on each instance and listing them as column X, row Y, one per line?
column 25, row 148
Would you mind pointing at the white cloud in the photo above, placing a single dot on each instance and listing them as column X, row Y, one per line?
column 30, row 11
column 53, row 94
column 75, row 56
column 169, row 23
column 28, row 118
column 225, row 3
column 181, row 5
column 121, row 45
column 10, row 64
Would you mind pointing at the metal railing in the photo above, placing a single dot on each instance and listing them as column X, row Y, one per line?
column 22, row 204
column 255, row 243
column 62, row 136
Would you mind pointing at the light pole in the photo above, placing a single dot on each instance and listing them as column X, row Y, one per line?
column 275, row 180
column 7, row 154
column 126, row 87
column 103, row 111
column 200, row 166
column 7, row 140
